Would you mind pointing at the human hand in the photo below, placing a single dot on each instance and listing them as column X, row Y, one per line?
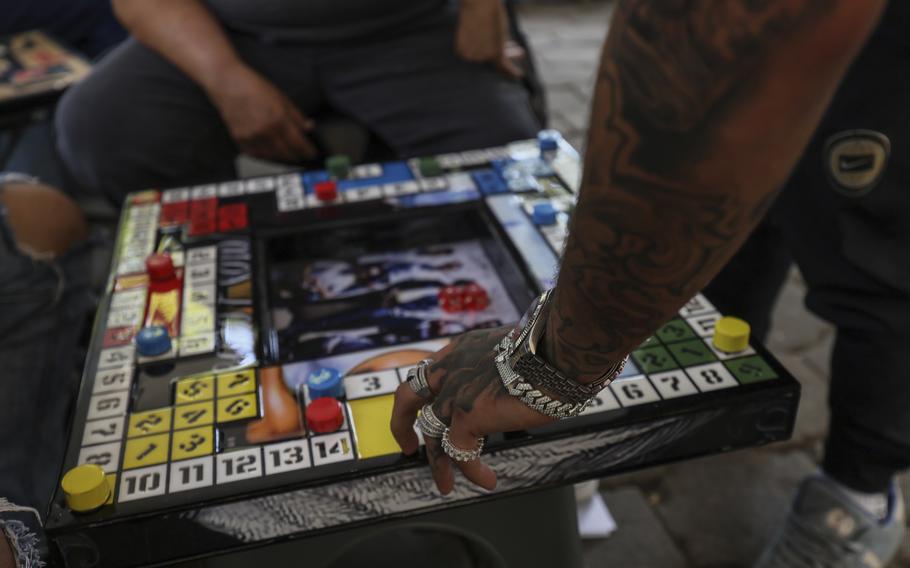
column 469, row 397
column 261, row 119
column 482, row 36
column 7, row 558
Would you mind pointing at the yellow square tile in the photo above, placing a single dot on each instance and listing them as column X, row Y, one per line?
column 238, row 382
column 371, row 426
column 195, row 389
column 192, row 443
column 149, row 422
column 191, row 415
column 149, row 450
column 237, row 408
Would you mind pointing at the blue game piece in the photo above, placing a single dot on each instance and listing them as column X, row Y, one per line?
column 544, row 213
column 153, row 341
column 489, row 182
column 548, row 140
column 325, row 381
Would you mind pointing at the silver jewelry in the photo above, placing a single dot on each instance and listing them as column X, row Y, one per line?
column 518, row 387
column 459, row 454
column 429, row 423
column 417, row 379
column 525, row 360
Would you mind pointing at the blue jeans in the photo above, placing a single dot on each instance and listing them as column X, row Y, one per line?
column 43, row 305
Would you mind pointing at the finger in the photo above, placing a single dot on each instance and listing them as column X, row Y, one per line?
column 509, row 68
column 440, row 465
column 305, row 123
column 404, row 413
column 462, row 437
column 298, row 144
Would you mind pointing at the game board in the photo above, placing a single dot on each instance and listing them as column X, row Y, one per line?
column 277, row 286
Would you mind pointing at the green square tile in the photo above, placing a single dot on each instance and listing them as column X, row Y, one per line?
column 752, row 369
column 653, row 360
column 694, row 352
column 649, row 342
column 675, row 330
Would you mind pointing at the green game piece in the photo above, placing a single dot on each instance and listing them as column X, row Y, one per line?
column 752, row 369
column 649, row 342
column 653, row 360
column 429, row 167
column 694, row 352
column 338, row 166
column 675, row 330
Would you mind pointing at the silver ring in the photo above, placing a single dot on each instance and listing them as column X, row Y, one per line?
column 459, row 454
column 429, row 423
column 417, row 379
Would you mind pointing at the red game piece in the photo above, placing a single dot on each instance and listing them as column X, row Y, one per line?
column 324, row 415
column 160, row 267
column 326, row 191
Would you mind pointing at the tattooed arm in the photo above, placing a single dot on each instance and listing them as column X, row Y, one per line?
column 701, row 110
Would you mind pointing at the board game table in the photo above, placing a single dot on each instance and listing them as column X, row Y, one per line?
column 237, row 393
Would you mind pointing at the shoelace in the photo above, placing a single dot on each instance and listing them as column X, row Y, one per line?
column 802, row 545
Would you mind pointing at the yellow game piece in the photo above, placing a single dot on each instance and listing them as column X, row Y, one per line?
column 85, row 488
column 195, row 389
column 192, row 415
column 371, row 424
column 149, row 450
column 149, row 422
column 731, row 335
column 238, row 382
column 192, row 443
column 237, row 408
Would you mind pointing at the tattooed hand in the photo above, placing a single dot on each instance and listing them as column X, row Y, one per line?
column 469, row 397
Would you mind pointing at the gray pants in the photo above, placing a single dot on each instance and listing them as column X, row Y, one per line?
column 139, row 122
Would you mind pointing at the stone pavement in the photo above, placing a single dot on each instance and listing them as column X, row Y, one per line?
column 712, row 512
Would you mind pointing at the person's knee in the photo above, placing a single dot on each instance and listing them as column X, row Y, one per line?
column 43, row 220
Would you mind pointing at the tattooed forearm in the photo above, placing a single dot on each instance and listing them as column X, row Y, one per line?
column 702, row 107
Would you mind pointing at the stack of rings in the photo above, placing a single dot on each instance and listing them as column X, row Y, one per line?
column 417, row 379
column 429, row 423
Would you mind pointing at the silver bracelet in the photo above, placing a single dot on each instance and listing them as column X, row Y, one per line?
column 518, row 387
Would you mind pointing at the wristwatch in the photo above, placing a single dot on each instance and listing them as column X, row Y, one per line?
column 524, row 360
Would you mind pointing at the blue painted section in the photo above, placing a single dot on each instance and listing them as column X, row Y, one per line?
column 534, row 249
column 630, row 369
column 392, row 172
column 489, row 182
column 438, row 198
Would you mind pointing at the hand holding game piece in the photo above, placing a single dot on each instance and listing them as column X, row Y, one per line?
column 469, row 399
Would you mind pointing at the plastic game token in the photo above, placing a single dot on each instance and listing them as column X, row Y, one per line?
column 153, row 341
column 325, row 382
column 326, row 191
column 159, row 266
column 324, row 415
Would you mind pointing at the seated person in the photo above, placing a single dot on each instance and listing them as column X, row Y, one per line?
column 200, row 82
column 44, row 299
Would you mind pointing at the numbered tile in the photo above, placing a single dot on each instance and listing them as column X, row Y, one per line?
column 230, row 189
column 149, row 422
column 191, row 474
column 107, row 405
column 401, row 188
column 192, row 443
column 197, row 274
column 175, row 195
column 110, row 380
column 197, row 344
column 633, row 391
column 197, row 319
column 365, row 193
column 332, row 448
column 259, row 185
column 713, row 376
column 653, row 359
column 103, row 431
column 675, row 330
column 105, row 455
column 195, row 389
column 725, row 356
column 693, row 352
column 237, row 408
column 291, row 203
column 203, row 192
column 673, row 384
column 149, row 450
column 193, row 415
column 370, row 384
column 286, row 456
column 237, row 465
column 366, row 171
column 751, row 369
column 704, row 325
column 603, row 402
column 433, row 184
column 696, row 306
column 126, row 317
column 142, row 483
column 116, row 357
column 205, row 294
column 236, row 382
column 201, row 255
column 288, row 180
